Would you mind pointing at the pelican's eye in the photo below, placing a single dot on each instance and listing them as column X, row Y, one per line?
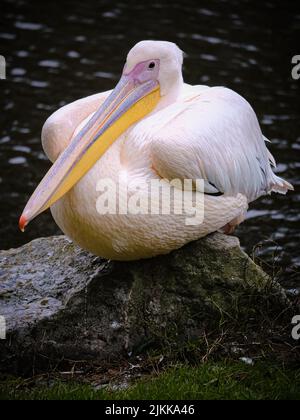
column 151, row 65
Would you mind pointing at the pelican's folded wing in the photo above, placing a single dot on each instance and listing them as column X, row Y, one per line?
column 213, row 134
column 60, row 127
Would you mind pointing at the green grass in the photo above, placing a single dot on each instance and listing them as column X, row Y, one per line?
column 209, row 381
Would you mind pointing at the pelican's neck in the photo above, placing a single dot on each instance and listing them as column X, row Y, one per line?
column 170, row 93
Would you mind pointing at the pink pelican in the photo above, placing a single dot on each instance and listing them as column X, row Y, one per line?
column 152, row 126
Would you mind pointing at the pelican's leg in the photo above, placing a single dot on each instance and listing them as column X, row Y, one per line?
column 231, row 226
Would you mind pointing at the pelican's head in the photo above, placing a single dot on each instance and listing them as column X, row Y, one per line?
column 151, row 77
column 164, row 59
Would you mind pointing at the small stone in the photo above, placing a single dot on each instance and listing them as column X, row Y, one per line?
column 247, row 361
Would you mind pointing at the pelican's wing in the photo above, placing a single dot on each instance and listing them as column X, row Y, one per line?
column 60, row 127
column 213, row 134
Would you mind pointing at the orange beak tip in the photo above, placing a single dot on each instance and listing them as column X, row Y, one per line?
column 22, row 223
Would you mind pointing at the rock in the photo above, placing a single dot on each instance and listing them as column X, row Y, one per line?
column 60, row 302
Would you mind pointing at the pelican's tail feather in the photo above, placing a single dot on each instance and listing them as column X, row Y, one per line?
column 279, row 185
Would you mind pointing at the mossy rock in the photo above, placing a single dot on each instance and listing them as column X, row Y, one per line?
column 60, row 302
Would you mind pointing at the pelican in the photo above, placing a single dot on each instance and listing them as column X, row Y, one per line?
column 152, row 126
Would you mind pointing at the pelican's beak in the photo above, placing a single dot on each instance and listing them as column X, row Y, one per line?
column 130, row 101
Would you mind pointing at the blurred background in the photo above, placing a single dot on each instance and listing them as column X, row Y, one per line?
column 57, row 52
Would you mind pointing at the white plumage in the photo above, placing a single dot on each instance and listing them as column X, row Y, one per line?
column 220, row 130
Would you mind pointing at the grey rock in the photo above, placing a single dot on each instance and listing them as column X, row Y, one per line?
column 60, row 302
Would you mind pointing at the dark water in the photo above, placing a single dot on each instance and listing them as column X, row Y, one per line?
column 60, row 51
